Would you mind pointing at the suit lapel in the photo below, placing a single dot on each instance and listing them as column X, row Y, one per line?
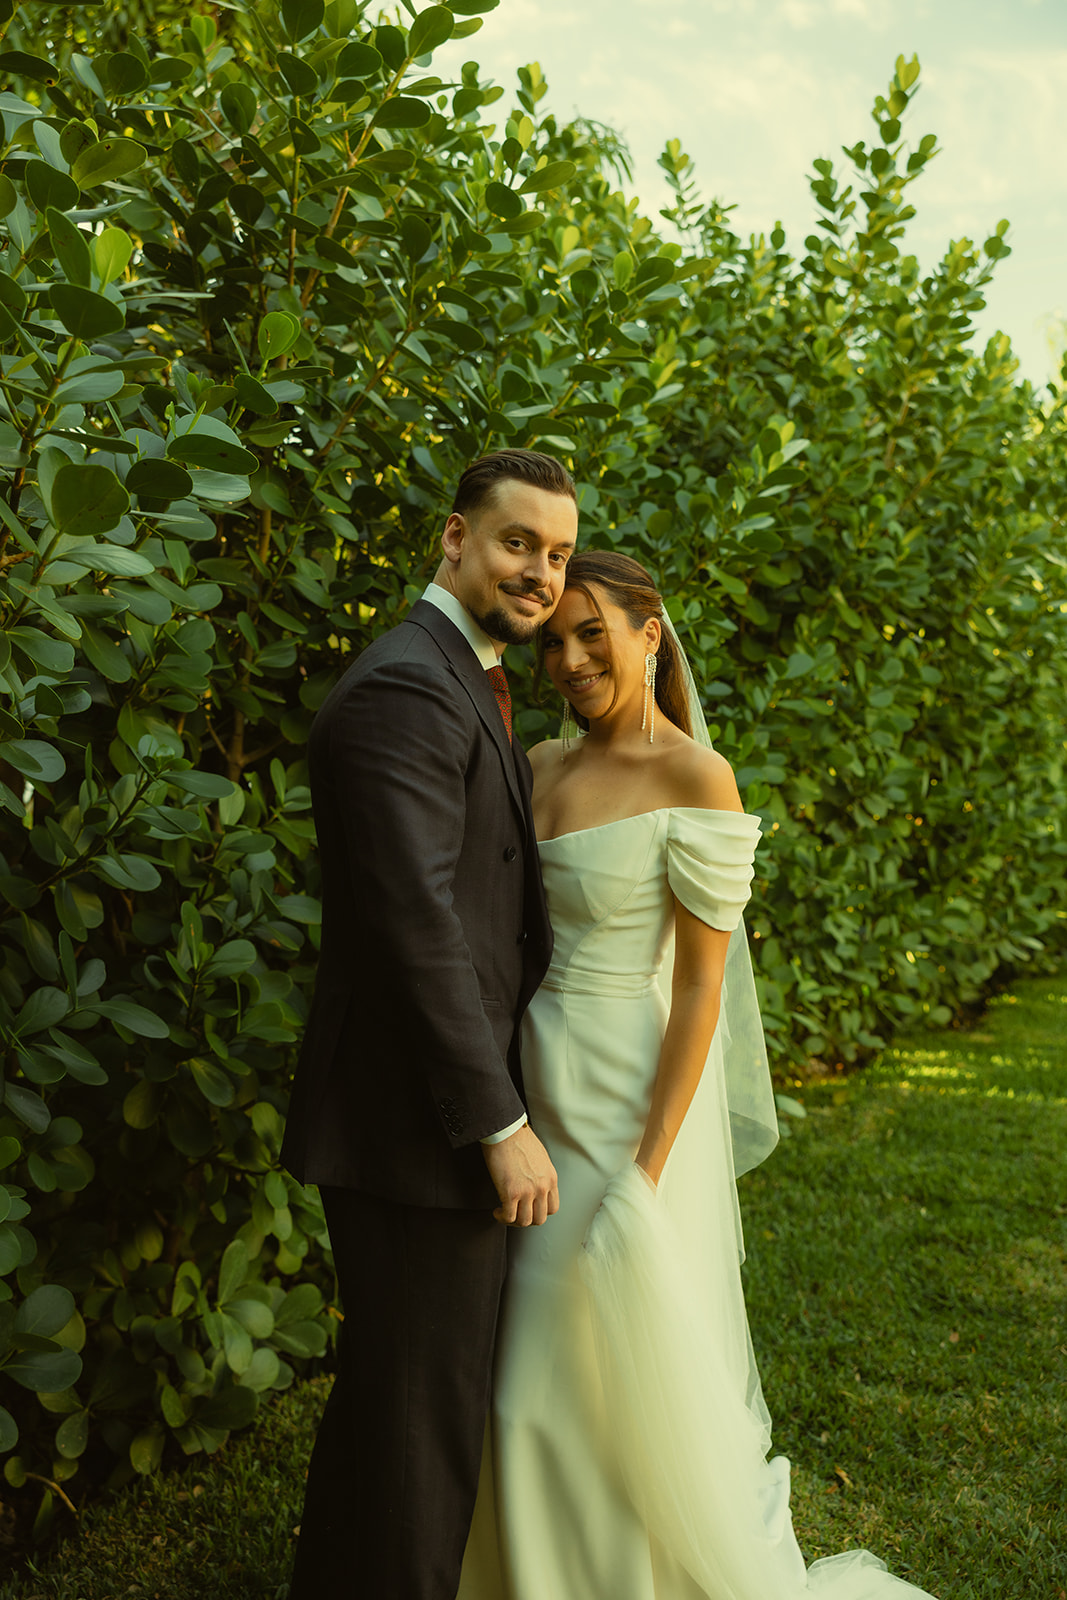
column 471, row 674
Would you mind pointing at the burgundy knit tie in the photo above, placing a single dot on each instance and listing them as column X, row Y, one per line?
column 498, row 682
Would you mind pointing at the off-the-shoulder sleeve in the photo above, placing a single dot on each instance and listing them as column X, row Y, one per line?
column 709, row 862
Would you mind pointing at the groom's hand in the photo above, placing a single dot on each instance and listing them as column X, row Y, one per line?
column 525, row 1179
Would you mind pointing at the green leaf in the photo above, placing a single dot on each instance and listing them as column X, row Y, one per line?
column 72, row 1435
column 299, row 908
column 233, row 1270
column 552, row 176
column 104, row 653
column 140, row 1106
column 304, row 1339
column 84, row 313
column 48, row 187
column 798, row 664
column 461, row 334
column 416, row 236
column 214, row 1084
column 502, row 201
column 623, row 268
column 277, row 334
column 302, row 79
column 262, row 1371
column 12, row 295
column 159, row 479
column 230, row 959
column 134, row 1018
column 122, row 73
column 358, row 61
column 253, row 395
column 146, row 1450
column 238, row 103
column 402, row 111
column 789, row 1107
column 45, row 1311
column 86, row 388
column 45, row 1007
column 39, row 762
column 45, row 1371
column 111, row 558
column 112, row 250
column 205, row 785
column 10, row 1249
column 46, row 653
column 255, row 1318
column 206, row 450
column 529, row 222
column 9, row 195
column 87, row 500
column 430, row 29
column 301, row 1304
column 233, row 1407
column 18, row 64
column 107, row 160
column 28, row 1107
column 9, row 1433
column 300, row 18
column 128, row 871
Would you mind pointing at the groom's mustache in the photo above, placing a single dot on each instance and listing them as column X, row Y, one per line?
column 527, row 591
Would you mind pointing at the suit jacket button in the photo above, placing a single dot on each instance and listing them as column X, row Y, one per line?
column 510, row 853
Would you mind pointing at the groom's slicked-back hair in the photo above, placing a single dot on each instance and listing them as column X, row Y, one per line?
column 478, row 484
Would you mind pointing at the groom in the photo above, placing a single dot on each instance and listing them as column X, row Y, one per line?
column 407, row 1104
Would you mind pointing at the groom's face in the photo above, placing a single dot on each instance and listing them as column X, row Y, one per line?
column 506, row 561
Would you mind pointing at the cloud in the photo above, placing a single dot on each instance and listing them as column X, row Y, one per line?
column 799, row 13
column 756, row 89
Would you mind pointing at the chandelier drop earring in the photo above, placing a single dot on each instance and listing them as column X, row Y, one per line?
column 648, row 707
column 569, row 729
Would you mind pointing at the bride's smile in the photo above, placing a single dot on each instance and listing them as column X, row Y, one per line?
column 596, row 658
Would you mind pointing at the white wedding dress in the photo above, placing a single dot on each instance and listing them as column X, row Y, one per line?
column 626, row 1453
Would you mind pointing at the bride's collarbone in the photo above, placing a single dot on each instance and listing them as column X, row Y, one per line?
column 590, row 800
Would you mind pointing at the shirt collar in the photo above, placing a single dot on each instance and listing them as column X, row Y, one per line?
column 484, row 647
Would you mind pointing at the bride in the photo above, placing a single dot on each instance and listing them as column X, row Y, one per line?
column 626, row 1455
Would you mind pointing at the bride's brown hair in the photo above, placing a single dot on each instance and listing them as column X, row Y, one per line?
column 627, row 585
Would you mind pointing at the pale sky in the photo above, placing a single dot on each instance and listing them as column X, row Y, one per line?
column 757, row 89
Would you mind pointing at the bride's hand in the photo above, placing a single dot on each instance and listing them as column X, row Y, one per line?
column 643, row 1170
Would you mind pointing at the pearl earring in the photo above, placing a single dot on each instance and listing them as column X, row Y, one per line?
column 650, row 695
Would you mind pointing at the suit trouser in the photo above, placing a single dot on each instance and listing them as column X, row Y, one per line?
column 394, row 1472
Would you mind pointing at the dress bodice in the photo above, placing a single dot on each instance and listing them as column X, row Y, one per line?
column 611, row 890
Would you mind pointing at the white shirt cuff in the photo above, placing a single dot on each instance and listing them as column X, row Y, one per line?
column 505, row 1133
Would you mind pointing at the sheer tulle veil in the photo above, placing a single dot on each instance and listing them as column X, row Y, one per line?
column 661, row 1266
column 749, row 1094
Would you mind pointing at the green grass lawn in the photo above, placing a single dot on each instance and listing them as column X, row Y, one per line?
column 908, row 1298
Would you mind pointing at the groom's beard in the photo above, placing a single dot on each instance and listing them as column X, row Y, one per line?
column 505, row 627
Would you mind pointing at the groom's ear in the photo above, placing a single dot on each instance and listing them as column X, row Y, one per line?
column 452, row 537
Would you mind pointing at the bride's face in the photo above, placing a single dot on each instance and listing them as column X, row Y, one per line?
column 599, row 666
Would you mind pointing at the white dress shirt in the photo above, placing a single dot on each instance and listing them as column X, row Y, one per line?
column 489, row 656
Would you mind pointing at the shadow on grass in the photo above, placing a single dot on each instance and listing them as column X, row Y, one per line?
column 905, row 1279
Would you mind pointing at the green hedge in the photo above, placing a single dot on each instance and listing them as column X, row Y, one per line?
column 263, row 292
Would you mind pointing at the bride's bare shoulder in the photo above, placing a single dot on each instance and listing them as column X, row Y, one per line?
column 703, row 779
column 544, row 755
